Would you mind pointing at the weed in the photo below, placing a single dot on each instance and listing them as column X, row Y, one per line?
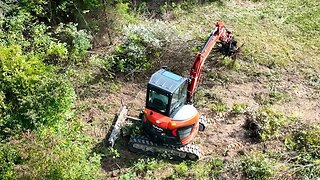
column 218, row 106
column 221, row 77
column 267, row 123
column 141, row 46
column 145, row 167
column 272, row 97
column 306, row 145
column 114, row 86
column 229, row 63
column 238, row 108
column 314, row 81
column 128, row 176
column 216, row 168
column 113, row 152
column 257, row 166
column 133, row 129
column 181, row 169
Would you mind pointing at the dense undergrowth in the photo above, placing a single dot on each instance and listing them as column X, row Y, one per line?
column 45, row 59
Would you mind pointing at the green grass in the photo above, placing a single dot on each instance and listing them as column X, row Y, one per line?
column 275, row 33
column 268, row 123
column 305, row 147
column 273, row 96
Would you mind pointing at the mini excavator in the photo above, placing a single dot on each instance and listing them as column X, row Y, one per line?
column 170, row 121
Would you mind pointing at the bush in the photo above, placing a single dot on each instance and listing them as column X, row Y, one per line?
column 31, row 95
column 61, row 45
column 78, row 41
column 141, row 46
column 257, row 167
column 267, row 123
column 8, row 158
column 63, row 154
column 181, row 169
column 217, row 167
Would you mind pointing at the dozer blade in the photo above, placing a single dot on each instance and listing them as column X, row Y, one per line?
column 142, row 145
column 121, row 117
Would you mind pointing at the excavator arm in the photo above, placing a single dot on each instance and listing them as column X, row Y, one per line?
column 219, row 33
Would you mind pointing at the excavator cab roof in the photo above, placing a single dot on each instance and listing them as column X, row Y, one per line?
column 162, row 87
column 166, row 80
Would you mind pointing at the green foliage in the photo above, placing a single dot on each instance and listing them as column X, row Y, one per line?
column 272, row 97
column 218, row 106
column 128, row 176
column 229, row 63
column 307, row 140
column 211, row 169
column 272, row 121
column 141, row 46
column 217, row 167
column 60, row 45
column 8, row 157
column 145, row 167
column 133, row 129
column 113, row 152
column 63, row 154
column 78, row 41
column 53, row 12
column 314, row 80
column 306, row 144
column 238, row 108
column 181, row 169
column 257, row 166
column 31, row 95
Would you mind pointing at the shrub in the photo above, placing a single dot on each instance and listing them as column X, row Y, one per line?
column 31, row 95
column 63, row 154
column 8, row 158
column 181, row 169
column 60, row 45
column 267, row 123
column 229, row 63
column 141, row 46
column 78, row 41
column 146, row 166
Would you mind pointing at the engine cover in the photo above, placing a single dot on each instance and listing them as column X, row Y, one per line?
column 184, row 113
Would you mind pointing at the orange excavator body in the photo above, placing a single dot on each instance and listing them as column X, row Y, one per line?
column 164, row 121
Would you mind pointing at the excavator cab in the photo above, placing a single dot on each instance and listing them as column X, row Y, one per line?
column 166, row 92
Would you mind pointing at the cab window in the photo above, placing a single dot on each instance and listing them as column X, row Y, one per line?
column 158, row 101
column 178, row 98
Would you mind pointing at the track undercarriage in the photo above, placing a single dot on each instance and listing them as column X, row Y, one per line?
column 142, row 145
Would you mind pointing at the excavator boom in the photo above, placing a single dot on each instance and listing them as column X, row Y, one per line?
column 218, row 33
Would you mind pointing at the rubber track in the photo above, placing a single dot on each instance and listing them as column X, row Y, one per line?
column 147, row 147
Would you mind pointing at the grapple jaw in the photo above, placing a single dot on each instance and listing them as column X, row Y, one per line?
column 229, row 48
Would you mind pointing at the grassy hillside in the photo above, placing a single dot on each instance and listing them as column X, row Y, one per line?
column 66, row 67
column 274, row 86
